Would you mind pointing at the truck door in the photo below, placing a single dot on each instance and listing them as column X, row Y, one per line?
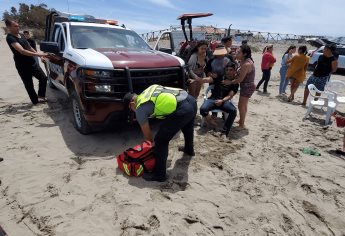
column 56, row 61
column 165, row 43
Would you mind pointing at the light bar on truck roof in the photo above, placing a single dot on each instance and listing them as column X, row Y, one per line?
column 76, row 18
column 84, row 18
column 109, row 22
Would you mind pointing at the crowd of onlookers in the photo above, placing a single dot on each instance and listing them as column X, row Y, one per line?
column 228, row 71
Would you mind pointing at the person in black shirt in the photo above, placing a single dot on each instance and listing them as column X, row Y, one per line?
column 30, row 40
column 221, row 96
column 326, row 64
column 23, row 55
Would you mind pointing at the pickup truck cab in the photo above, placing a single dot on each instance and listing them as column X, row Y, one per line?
column 96, row 62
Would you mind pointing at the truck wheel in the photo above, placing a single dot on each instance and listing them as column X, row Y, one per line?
column 50, row 83
column 78, row 116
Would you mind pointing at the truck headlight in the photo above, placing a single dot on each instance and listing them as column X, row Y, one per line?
column 98, row 88
column 97, row 73
column 103, row 88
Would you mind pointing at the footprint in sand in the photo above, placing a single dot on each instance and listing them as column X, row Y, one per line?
column 154, row 222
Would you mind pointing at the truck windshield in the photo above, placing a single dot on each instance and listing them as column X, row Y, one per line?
column 103, row 37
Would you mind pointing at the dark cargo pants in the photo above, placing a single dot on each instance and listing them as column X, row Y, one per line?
column 182, row 119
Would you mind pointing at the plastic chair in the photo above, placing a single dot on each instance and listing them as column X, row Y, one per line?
column 208, row 90
column 325, row 99
column 336, row 87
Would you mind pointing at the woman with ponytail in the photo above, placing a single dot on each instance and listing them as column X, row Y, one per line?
column 284, row 67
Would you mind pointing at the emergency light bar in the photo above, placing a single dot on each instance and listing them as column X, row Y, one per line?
column 90, row 19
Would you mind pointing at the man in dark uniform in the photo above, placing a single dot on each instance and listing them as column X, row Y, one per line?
column 177, row 108
column 26, row 65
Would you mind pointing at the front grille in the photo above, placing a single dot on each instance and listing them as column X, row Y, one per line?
column 141, row 79
column 137, row 80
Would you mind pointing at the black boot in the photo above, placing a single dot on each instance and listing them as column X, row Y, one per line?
column 188, row 152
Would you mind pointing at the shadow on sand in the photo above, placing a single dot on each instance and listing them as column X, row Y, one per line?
column 100, row 145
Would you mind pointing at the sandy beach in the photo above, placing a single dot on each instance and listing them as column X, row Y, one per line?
column 55, row 181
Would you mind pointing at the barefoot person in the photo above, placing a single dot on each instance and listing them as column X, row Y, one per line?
column 296, row 72
column 23, row 55
column 246, row 80
column 177, row 108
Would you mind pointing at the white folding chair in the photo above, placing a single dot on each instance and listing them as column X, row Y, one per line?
column 337, row 88
column 325, row 99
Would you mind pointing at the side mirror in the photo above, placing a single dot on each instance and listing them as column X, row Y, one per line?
column 52, row 47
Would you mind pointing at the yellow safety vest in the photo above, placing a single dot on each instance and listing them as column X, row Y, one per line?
column 163, row 98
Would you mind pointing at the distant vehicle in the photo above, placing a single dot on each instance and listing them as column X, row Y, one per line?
column 95, row 63
column 177, row 42
column 314, row 56
column 180, row 42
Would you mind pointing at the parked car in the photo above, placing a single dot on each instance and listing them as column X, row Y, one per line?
column 314, row 56
column 95, row 63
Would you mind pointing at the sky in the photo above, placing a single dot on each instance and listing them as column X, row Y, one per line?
column 303, row 17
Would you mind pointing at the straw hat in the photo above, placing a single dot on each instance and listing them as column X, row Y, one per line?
column 220, row 51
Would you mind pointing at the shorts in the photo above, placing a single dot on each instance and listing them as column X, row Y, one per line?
column 319, row 82
column 247, row 89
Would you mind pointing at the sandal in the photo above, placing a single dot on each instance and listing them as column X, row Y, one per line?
column 42, row 99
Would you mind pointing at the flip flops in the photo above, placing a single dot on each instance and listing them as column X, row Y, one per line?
column 42, row 99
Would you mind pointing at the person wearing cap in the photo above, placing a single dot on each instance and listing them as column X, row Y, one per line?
column 266, row 65
column 326, row 64
column 177, row 109
column 215, row 66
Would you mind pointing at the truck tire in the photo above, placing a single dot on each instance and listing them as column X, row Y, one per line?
column 50, row 83
column 78, row 116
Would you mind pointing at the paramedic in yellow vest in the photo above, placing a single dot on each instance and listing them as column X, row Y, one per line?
column 177, row 109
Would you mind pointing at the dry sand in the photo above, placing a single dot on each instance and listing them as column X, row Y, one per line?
column 55, row 181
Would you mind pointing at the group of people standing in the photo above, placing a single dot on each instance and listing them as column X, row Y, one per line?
column 294, row 67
